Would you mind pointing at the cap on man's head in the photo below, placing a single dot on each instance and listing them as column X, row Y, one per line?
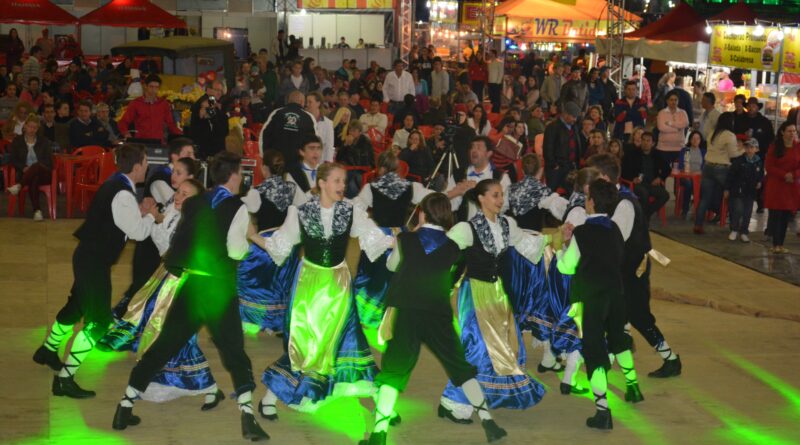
column 572, row 109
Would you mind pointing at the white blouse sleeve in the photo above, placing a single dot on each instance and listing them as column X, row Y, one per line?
column 455, row 202
column 576, row 216
column 300, row 198
column 529, row 245
column 371, row 239
column 624, row 216
column 162, row 233
column 419, row 192
column 364, row 198
column 461, row 234
column 279, row 246
column 505, row 183
column 161, row 191
column 555, row 204
column 252, row 200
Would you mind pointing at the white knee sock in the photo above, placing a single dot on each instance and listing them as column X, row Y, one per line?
column 57, row 335
column 81, row 347
column 384, row 408
column 131, row 394
column 268, row 402
column 245, row 401
column 570, row 372
column 472, row 389
column 548, row 359
column 665, row 351
column 599, row 389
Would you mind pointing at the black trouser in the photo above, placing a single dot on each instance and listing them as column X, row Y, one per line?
column 741, row 211
column 411, row 329
column 197, row 305
column 779, row 223
column 637, row 300
column 477, row 88
column 556, row 177
column 90, row 297
column 145, row 262
column 645, row 192
column 604, row 318
column 494, row 95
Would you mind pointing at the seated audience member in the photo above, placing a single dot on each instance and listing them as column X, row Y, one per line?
column 647, row 170
column 417, row 156
column 400, row 138
column 86, row 130
column 356, row 152
column 32, row 161
column 374, row 118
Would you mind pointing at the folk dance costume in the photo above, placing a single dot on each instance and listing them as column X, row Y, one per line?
column 465, row 206
column 327, row 355
column 491, row 339
column 593, row 257
column 201, row 263
column 419, row 293
column 187, row 373
column 636, row 280
column 389, row 197
column 113, row 218
column 263, row 285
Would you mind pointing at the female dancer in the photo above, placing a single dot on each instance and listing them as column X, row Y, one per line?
column 263, row 285
column 491, row 339
column 326, row 354
column 187, row 373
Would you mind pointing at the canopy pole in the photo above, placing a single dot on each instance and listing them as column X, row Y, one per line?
column 778, row 83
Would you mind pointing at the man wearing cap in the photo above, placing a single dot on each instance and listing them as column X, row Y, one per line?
column 562, row 145
column 759, row 126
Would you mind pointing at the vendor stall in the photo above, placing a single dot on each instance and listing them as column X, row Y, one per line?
column 32, row 12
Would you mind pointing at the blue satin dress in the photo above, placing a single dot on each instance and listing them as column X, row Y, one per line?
column 528, row 291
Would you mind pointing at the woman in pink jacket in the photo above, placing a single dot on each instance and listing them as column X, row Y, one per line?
column 672, row 124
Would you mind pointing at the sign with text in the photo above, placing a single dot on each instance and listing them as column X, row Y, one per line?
column 471, row 13
column 554, row 30
column 791, row 50
column 743, row 47
column 345, row 4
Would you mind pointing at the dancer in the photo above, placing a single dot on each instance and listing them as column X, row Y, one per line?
column 263, row 285
column 629, row 217
column 419, row 292
column 389, row 197
column 304, row 171
column 491, row 339
column 114, row 216
column 529, row 200
column 201, row 263
column 595, row 251
column 326, row 354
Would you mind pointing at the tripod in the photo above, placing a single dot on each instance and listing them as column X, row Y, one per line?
column 452, row 160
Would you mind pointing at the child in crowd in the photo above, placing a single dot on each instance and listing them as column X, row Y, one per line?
column 744, row 181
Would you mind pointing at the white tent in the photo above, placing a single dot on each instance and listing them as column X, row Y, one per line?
column 666, row 50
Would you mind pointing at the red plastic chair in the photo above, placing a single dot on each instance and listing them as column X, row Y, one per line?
column 17, row 203
column 107, row 166
column 368, row 177
column 251, row 149
column 378, row 140
column 662, row 212
column 494, row 118
column 402, row 169
column 426, row 130
column 518, row 168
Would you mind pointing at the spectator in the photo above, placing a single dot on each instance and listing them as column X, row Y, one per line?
column 149, row 66
column 14, row 48
column 561, row 147
column 740, row 123
column 309, row 65
column 640, row 79
column 280, row 47
column 360, row 43
column 295, row 81
column 420, row 85
column 665, row 84
column 32, row 160
column 508, row 148
column 478, row 168
column 615, row 148
column 47, row 127
column 575, row 90
column 80, row 77
column 409, row 108
column 47, row 83
column 343, row 72
column 435, row 113
column 208, row 125
column 32, row 66
column 794, row 113
column 400, row 138
column 342, row 43
column 357, row 151
column 596, row 92
column 396, row 86
column 782, row 189
column 271, row 83
column 685, row 102
column 437, row 146
column 610, row 94
column 596, row 144
column 691, row 160
column 355, row 106
column 356, row 85
column 13, row 126
column 722, row 147
column 710, row 116
column 341, row 124
column 698, row 91
column 495, row 76
column 440, row 80
column 464, row 94
column 425, row 66
column 463, row 137
column 287, row 128
column 595, row 113
column 551, row 87
column 672, row 124
column 104, row 117
column 32, row 94
column 150, row 114
column 374, row 118
column 63, row 113
column 531, row 92
column 521, row 135
column 724, row 82
column 45, row 43
column 629, row 112
column 587, row 125
column 647, row 170
column 8, row 102
column 85, row 130
column 758, row 126
column 479, row 121
column 535, row 123
column 478, row 74
column 322, row 126
column 418, row 156
column 742, row 186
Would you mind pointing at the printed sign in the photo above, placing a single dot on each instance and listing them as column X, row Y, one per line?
column 345, row 4
column 740, row 47
column 545, row 29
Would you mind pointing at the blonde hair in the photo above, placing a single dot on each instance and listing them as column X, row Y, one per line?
column 32, row 118
column 339, row 117
column 323, row 172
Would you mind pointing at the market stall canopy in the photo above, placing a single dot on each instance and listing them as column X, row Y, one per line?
column 131, row 14
column 697, row 32
column 558, row 9
column 34, row 12
column 680, row 17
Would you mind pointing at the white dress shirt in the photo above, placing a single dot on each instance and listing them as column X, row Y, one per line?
column 623, row 217
column 395, row 88
column 472, row 175
column 128, row 217
column 324, row 129
column 377, row 120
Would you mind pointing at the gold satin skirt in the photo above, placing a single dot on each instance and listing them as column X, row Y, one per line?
column 320, row 306
column 497, row 325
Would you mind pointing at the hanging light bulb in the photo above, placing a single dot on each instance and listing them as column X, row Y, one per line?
column 708, row 29
column 759, row 31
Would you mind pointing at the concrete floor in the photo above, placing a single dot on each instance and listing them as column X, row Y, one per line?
column 736, row 330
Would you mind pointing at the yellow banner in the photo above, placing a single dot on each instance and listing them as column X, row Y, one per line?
column 791, row 50
column 555, row 30
column 345, row 4
column 740, row 47
column 471, row 13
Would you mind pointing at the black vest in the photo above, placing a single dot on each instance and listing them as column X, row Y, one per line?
column 462, row 214
column 326, row 252
column 200, row 242
column 268, row 215
column 162, row 173
column 389, row 212
column 598, row 273
column 98, row 233
column 423, row 281
column 482, row 265
column 299, row 177
column 638, row 244
column 533, row 220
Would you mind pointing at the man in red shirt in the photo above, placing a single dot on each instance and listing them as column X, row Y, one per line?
column 149, row 114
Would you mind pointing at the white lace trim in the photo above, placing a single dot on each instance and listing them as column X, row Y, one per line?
column 375, row 243
column 531, row 247
column 159, row 393
column 279, row 247
column 555, row 204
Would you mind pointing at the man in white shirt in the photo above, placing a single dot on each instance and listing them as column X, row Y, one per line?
column 710, row 116
column 440, row 80
column 479, row 168
column 396, row 86
column 374, row 118
column 322, row 125
column 495, row 68
column 114, row 216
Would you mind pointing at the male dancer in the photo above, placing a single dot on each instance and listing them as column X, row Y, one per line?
column 595, row 251
column 420, row 292
column 629, row 217
column 209, row 240
column 114, row 216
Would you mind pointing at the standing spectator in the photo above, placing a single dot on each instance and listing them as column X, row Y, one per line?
column 722, row 147
column 322, row 126
column 782, row 194
column 32, row 66
column 309, row 64
column 724, row 83
column 665, row 84
column 149, row 66
column 374, row 118
column 647, row 169
column 758, row 126
column 629, row 112
column 710, row 116
column 271, row 82
column 45, row 43
column 208, row 125
column 287, row 127
column 495, row 78
column 396, row 86
column 551, row 87
column 691, row 160
column 32, row 94
column 685, row 102
column 479, row 121
column 640, row 78
column 575, row 91
column 32, row 159
column 561, row 146
column 740, row 121
column 610, row 94
column 295, row 81
column 440, row 80
column 280, row 47
column 14, row 48
column 672, row 124
column 150, row 114
column 741, row 189
column 425, row 65
column 478, row 74
column 595, row 113
column 86, row 130
column 698, row 91
column 597, row 93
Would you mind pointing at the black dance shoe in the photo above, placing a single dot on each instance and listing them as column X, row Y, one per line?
column 601, row 420
column 555, row 368
column 66, row 386
column 251, row 430
column 396, row 420
column 567, row 389
column 124, row 418
column 270, row 417
column 632, row 393
column 375, row 439
column 670, row 368
column 218, row 397
column 447, row 414
column 44, row 356
column 493, row 432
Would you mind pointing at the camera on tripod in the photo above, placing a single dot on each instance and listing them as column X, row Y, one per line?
column 212, row 106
